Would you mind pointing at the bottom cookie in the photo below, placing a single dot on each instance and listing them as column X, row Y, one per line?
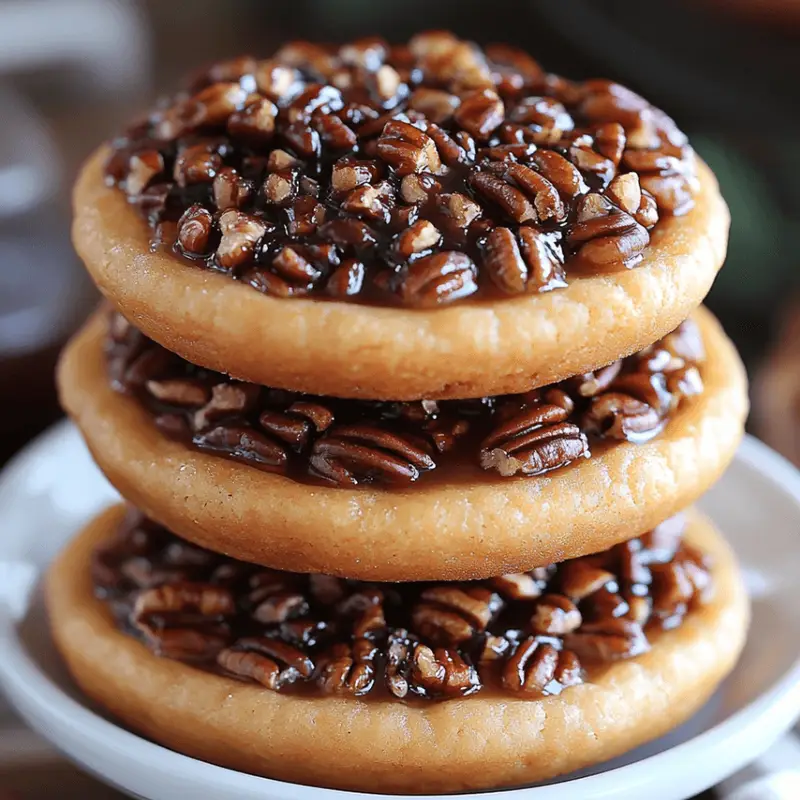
column 507, row 721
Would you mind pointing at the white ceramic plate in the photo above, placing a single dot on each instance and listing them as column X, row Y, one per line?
column 53, row 488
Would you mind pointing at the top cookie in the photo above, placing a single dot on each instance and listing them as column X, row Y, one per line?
column 397, row 222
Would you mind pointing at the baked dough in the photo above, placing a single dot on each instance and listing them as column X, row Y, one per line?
column 473, row 743
column 471, row 349
column 436, row 530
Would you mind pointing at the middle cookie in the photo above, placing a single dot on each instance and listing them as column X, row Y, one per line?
column 447, row 490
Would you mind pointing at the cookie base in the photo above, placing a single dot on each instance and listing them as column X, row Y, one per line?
column 471, row 349
column 437, row 530
column 389, row 746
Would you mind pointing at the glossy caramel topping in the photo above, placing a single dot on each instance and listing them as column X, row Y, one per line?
column 418, row 174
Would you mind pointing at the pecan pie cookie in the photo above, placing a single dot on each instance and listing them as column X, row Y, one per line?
column 408, row 491
column 430, row 220
column 356, row 686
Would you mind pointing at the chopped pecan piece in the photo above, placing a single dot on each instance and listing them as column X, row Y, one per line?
column 399, row 653
column 518, row 586
column 555, row 615
column 593, row 383
column 143, row 168
column 227, row 398
column 578, row 578
column 480, row 112
column 230, row 190
column 196, row 164
column 421, row 236
column 194, row 230
column 255, row 123
column 280, row 607
column 437, row 105
column 346, row 280
column 240, row 235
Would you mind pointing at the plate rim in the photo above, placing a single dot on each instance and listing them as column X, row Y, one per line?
column 750, row 729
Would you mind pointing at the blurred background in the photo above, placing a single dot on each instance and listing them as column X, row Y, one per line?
column 73, row 71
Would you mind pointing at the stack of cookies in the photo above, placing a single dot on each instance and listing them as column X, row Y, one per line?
column 405, row 379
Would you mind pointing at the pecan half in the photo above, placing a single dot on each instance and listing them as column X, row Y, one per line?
column 441, row 673
column 240, row 234
column 245, row 444
column 195, row 644
column 270, row 662
column 538, row 668
column 621, row 416
column 437, row 279
column 204, row 599
column 605, row 235
column 536, row 441
column 449, row 615
column 608, row 640
column 354, row 454
column 408, row 149
column 541, row 268
column 348, row 669
column 634, row 408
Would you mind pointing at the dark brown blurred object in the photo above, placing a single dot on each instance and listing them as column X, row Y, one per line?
column 766, row 12
column 775, row 416
column 52, row 779
column 44, row 296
